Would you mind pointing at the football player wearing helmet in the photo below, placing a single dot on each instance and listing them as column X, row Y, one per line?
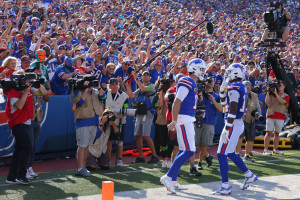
column 183, row 115
column 235, row 106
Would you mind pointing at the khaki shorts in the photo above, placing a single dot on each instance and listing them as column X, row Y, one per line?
column 274, row 124
column 85, row 136
column 205, row 134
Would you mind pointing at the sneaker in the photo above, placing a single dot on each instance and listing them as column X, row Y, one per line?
column 251, row 154
column 267, row 152
column 140, row 160
column 120, row 163
column 23, row 181
column 247, row 158
column 209, row 159
column 222, row 191
column 169, row 164
column 194, row 172
column 164, row 164
column 83, row 172
column 154, row 159
column 177, row 186
column 248, row 181
column 11, row 181
column 31, row 172
column 167, row 181
column 89, row 168
column 200, row 166
column 28, row 176
column 238, row 154
column 278, row 152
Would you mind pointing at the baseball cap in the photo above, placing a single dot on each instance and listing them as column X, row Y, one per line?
column 126, row 60
column 247, row 83
column 113, row 80
column 25, row 59
column 145, row 72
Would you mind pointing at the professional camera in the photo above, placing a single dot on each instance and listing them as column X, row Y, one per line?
column 127, row 112
column 20, row 81
column 165, row 82
column 202, row 87
column 78, row 83
column 272, row 85
column 199, row 115
column 273, row 16
column 111, row 118
column 257, row 115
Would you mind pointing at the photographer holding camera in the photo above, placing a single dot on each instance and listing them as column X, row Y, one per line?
column 144, row 118
column 276, row 19
column 204, row 132
column 98, row 151
column 87, row 109
column 59, row 82
column 116, row 99
column 253, row 111
column 278, row 102
column 20, row 112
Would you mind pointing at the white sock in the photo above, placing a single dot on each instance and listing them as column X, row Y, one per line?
column 225, row 185
column 248, row 173
column 79, row 169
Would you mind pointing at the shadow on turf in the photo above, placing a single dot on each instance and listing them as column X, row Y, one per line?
column 37, row 189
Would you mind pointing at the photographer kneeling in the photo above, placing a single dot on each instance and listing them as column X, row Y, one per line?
column 98, row 150
column 87, row 109
column 253, row 111
column 144, row 118
column 278, row 102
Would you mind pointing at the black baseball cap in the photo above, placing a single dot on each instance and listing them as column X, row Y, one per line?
column 113, row 80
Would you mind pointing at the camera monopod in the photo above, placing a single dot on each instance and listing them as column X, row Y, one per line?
column 209, row 29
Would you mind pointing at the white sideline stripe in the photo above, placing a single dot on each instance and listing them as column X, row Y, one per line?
column 133, row 171
column 136, row 171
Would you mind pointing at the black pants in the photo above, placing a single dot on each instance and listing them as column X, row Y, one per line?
column 36, row 128
column 164, row 141
column 23, row 149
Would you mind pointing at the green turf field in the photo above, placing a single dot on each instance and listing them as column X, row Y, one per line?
column 63, row 184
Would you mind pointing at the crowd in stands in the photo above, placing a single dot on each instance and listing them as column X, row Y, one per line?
column 113, row 38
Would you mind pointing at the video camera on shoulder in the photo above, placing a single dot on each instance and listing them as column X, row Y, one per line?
column 165, row 82
column 272, row 85
column 20, row 82
column 78, row 83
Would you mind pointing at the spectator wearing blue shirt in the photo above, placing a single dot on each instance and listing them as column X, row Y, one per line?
column 205, row 132
column 59, row 83
column 110, row 68
column 219, row 79
column 124, row 71
column 110, row 56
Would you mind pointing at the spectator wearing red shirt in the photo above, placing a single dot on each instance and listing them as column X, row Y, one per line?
column 278, row 102
column 8, row 67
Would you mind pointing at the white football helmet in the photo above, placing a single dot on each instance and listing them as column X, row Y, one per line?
column 235, row 70
column 198, row 67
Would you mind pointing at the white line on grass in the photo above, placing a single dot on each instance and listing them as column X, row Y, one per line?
column 144, row 170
